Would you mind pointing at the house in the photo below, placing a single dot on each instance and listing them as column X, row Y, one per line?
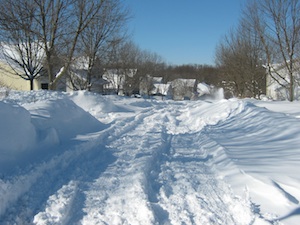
column 79, row 78
column 116, row 80
column 163, row 90
column 277, row 82
column 184, row 89
column 9, row 78
column 10, row 70
column 153, row 86
column 157, row 80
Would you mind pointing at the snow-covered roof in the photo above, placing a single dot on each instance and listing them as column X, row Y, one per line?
column 162, row 89
column 157, row 80
column 203, row 88
column 82, row 74
column 121, row 72
column 183, row 82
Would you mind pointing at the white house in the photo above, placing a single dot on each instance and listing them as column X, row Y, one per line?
column 163, row 90
column 184, row 89
column 116, row 79
column 278, row 81
column 77, row 78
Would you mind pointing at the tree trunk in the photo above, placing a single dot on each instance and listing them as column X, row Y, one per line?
column 31, row 84
column 291, row 90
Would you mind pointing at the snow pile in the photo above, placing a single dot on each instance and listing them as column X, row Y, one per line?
column 38, row 122
column 289, row 108
column 260, row 153
column 101, row 107
column 95, row 103
column 17, row 133
column 61, row 118
column 196, row 115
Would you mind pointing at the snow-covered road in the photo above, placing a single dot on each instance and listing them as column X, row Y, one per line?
column 156, row 162
column 151, row 177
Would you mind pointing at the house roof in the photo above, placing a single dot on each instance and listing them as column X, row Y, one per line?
column 82, row 74
column 203, row 88
column 161, row 89
column 157, row 80
column 120, row 72
column 183, row 82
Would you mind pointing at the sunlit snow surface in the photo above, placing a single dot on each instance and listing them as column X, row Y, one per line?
column 83, row 158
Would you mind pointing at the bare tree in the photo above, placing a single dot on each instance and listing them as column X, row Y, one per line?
column 278, row 24
column 105, row 30
column 239, row 59
column 61, row 23
column 55, row 24
column 19, row 45
column 146, row 85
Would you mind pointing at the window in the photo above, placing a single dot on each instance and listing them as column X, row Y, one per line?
column 44, row 86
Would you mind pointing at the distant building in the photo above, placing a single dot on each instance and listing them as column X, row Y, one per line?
column 277, row 86
column 10, row 70
column 184, row 89
column 116, row 80
column 9, row 78
column 78, row 79
column 163, row 90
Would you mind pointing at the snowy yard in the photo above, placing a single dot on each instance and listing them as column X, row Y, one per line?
column 83, row 158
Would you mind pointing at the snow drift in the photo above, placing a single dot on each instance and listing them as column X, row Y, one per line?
column 17, row 133
column 37, row 123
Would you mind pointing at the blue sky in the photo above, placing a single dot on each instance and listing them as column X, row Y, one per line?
column 182, row 31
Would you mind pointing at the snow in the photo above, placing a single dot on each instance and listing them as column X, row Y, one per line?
column 15, row 122
column 83, row 158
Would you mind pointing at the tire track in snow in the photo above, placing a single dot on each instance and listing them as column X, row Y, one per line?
column 190, row 193
column 90, row 161
column 23, row 194
column 79, row 164
column 125, row 186
column 165, row 179
column 182, row 183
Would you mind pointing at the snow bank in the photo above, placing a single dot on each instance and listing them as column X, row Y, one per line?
column 17, row 133
column 196, row 115
column 63, row 117
column 95, row 103
column 289, row 108
column 258, row 153
column 34, row 121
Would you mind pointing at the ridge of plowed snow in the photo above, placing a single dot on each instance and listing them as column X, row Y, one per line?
column 194, row 116
column 15, row 124
column 261, row 166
